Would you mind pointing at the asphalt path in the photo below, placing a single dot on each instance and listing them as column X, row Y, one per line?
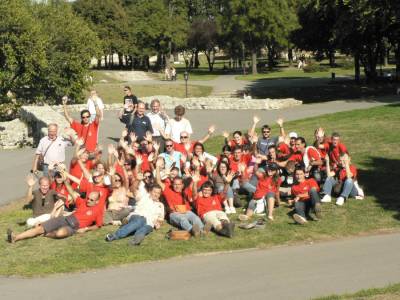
column 294, row 272
column 15, row 164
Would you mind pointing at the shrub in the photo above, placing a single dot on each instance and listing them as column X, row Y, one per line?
column 311, row 68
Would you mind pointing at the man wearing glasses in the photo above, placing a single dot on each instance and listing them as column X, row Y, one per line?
column 186, row 145
column 266, row 140
column 86, row 130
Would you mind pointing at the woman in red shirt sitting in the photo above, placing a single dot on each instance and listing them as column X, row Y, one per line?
column 306, row 197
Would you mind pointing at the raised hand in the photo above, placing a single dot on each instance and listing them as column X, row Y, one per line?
column 80, row 142
column 254, row 139
column 160, row 162
column 211, row 129
column 64, row 100
column 229, row 176
column 151, row 156
column 133, row 137
column 139, row 176
column 256, row 119
column 124, row 133
column 156, row 146
column 30, row 180
column 110, row 148
column 279, row 121
column 225, row 134
column 320, row 132
column 242, row 167
column 148, row 137
column 187, row 147
column 139, row 160
column 111, row 171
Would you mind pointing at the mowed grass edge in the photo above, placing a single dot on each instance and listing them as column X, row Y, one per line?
column 372, row 138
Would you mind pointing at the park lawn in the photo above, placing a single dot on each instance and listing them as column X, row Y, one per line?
column 372, row 138
column 390, row 292
column 113, row 92
column 293, row 73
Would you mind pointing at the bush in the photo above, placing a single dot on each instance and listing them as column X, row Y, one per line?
column 9, row 111
column 311, row 68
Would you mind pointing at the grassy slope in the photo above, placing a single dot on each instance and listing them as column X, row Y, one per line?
column 390, row 292
column 372, row 138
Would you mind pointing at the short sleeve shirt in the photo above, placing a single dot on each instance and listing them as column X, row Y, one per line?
column 88, row 133
column 263, row 144
column 55, row 150
column 176, row 127
column 43, row 204
column 204, row 205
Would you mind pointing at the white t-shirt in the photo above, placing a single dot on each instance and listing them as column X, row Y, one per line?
column 157, row 121
column 92, row 108
column 175, row 129
column 55, row 151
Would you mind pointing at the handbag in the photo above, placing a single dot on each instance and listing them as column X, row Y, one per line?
column 40, row 163
column 180, row 208
column 178, row 235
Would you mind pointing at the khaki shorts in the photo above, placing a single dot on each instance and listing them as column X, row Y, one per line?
column 214, row 217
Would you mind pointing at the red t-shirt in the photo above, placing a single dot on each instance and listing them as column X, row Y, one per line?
column 296, row 157
column 89, row 187
column 87, row 215
column 283, row 150
column 343, row 176
column 174, row 198
column 204, row 205
column 335, row 152
column 234, row 165
column 88, row 133
column 180, row 147
column 266, row 185
column 61, row 190
column 304, row 187
column 313, row 154
column 75, row 170
column 233, row 144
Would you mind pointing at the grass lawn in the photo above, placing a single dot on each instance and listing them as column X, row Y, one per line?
column 293, row 73
column 390, row 292
column 372, row 137
column 113, row 92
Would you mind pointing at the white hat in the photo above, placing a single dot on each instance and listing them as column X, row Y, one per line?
column 293, row 135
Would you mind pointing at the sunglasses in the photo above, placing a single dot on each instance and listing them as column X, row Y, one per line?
column 266, row 131
column 147, row 177
column 85, row 117
column 184, row 137
column 168, row 146
column 117, row 180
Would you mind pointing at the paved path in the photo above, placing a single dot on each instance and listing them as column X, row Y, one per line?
column 15, row 164
column 295, row 272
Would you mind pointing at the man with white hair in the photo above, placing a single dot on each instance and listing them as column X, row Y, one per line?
column 50, row 151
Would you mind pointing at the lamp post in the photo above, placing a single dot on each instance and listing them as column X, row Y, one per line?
column 186, row 77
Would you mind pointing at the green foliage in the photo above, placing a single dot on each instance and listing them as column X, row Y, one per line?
column 311, row 68
column 45, row 51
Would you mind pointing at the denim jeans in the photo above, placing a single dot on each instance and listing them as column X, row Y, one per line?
column 137, row 225
column 229, row 191
column 348, row 189
column 185, row 220
column 303, row 207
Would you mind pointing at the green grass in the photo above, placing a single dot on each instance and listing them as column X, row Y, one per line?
column 293, row 73
column 372, row 138
column 113, row 92
column 390, row 292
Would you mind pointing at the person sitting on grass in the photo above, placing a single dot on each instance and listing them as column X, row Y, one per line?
column 177, row 199
column 88, row 216
column 344, row 181
column 45, row 202
column 209, row 208
column 267, row 189
column 305, row 196
column 148, row 214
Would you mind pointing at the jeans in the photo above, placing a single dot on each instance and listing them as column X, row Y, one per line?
column 348, row 189
column 185, row 220
column 137, row 225
column 303, row 207
column 229, row 191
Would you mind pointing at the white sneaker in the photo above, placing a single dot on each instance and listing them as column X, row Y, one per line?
column 299, row 219
column 228, row 210
column 233, row 210
column 340, row 201
column 326, row 199
column 359, row 197
column 360, row 192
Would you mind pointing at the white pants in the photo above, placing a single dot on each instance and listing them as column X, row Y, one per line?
column 214, row 217
column 32, row 222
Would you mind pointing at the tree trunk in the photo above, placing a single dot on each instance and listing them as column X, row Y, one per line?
column 271, row 55
column 397, row 58
column 332, row 58
column 120, row 60
column 106, row 61
column 196, row 59
column 254, row 61
column 357, row 67
column 99, row 63
column 290, row 56
column 210, row 59
column 111, row 61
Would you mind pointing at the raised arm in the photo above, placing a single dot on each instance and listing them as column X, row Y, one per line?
column 30, row 180
column 279, row 121
column 99, row 114
column 253, row 127
column 210, row 131
column 66, row 113
column 158, row 174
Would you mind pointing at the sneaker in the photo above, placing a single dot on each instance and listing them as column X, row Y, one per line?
column 271, row 218
column 317, row 210
column 340, row 201
column 231, row 228
column 243, row 217
column 228, row 210
column 299, row 219
column 326, row 199
column 10, row 236
column 136, row 240
column 110, row 237
column 359, row 197
column 233, row 210
column 196, row 230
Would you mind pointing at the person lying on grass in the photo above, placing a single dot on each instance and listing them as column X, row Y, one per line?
column 209, row 206
column 88, row 216
column 148, row 214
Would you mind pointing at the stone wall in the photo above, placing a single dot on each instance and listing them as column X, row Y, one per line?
column 35, row 119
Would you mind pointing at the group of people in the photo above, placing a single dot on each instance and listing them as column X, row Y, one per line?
column 157, row 173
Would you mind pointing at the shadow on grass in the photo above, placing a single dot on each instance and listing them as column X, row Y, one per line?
column 381, row 180
column 312, row 90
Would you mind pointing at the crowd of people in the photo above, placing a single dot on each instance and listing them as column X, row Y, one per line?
column 157, row 173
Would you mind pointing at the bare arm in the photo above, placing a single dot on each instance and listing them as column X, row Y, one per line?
column 279, row 121
column 30, row 180
column 66, row 113
column 158, row 175
column 210, row 131
column 253, row 127
column 35, row 163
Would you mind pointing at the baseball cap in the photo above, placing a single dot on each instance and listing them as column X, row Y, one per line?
column 293, row 135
